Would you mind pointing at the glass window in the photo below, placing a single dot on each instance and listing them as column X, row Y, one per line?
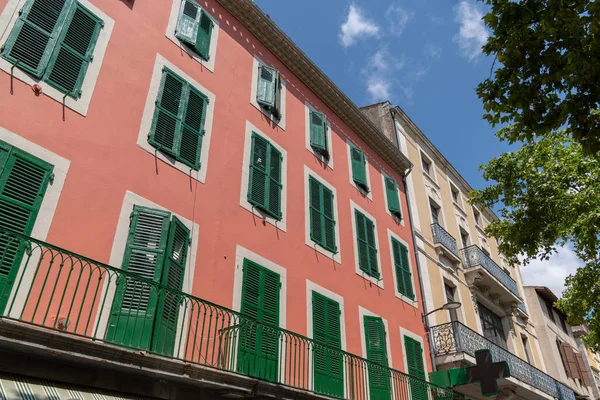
column 450, row 291
column 435, row 212
column 526, row 348
column 426, row 164
column 464, row 237
column 492, row 326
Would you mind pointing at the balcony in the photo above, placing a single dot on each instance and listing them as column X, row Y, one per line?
column 444, row 243
column 65, row 295
column 455, row 338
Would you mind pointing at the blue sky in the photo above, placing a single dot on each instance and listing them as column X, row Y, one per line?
column 423, row 55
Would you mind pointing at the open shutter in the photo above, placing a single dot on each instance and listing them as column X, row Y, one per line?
column 74, row 50
column 416, row 369
column 379, row 378
column 361, row 242
column 571, row 361
column 265, row 94
column 318, row 132
column 393, row 200
column 275, row 185
column 135, row 303
column 188, row 22
column 205, row 29
column 165, row 328
column 328, row 220
column 406, row 272
column 359, row 172
column 192, row 128
column 23, row 182
column 328, row 368
column 372, row 248
column 168, row 113
column 278, row 87
column 34, row 35
column 583, row 371
column 396, row 251
column 316, row 210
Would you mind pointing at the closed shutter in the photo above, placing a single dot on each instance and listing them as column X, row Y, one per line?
column 264, row 188
column 322, row 219
column 367, row 247
column 23, row 182
column 328, row 367
column 135, row 304
column 73, row 51
column 318, row 132
column 359, row 172
column 583, row 371
column 35, row 33
column 192, row 129
column 267, row 79
column 416, row 369
column 168, row 113
column 188, row 22
column 393, row 200
column 169, row 302
column 379, row 377
column 402, row 267
column 205, row 29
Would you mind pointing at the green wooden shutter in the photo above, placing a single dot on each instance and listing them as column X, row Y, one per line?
column 393, row 200
column 265, row 93
column 264, row 187
column 275, row 185
column 134, row 307
column 328, row 220
column 322, row 218
column 370, row 229
column 192, row 128
column 328, row 364
column 416, row 369
column 379, row 377
column 318, row 133
column 359, row 172
column 168, row 113
column 205, row 29
column 278, row 88
column 367, row 246
column 34, row 35
column 23, row 182
column 403, row 273
column 74, row 51
column 165, row 327
column 258, row 352
column 188, row 22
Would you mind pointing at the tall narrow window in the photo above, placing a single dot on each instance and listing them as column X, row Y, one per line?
column 549, row 310
column 455, row 195
column 464, row 238
column 318, row 133
column 54, row 41
column 264, row 188
column 379, row 376
column 404, row 282
column 268, row 93
column 435, row 212
column 328, row 364
column 367, row 246
column 525, row 342
column 425, row 164
column 359, row 168
column 393, row 199
column 416, row 368
column 492, row 326
column 194, row 28
column 477, row 216
column 450, row 297
column 322, row 218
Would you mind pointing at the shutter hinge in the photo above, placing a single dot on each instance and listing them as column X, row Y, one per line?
column 51, row 178
column 92, row 58
column 21, row 11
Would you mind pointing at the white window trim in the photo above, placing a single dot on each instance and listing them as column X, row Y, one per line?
column 328, row 162
column 9, row 17
column 369, row 194
column 399, row 221
column 418, row 338
column 459, row 203
column 431, row 175
column 414, row 303
column 146, row 123
column 255, row 64
column 282, row 224
column 212, row 52
column 118, row 252
column 359, row 272
column 45, row 215
column 337, row 257
column 362, row 313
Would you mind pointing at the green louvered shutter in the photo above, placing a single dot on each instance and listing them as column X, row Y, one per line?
column 275, row 185
column 168, row 113
column 416, row 369
column 264, row 188
column 328, row 364
column 393, row 200
column 367, row 246
column 192, row 128
column 379, row 377
column 328, row 220
column 403, row 273
column 278, row 87
column 322, row 218
column 359, row 172
column 23, row 182
column 188, row 22
column 265, row 93
column 135, row 303
column 35, row 33
column 74, row 50
column 318, row 132
column 205, row 29
column 165, row 327
column 258, row 352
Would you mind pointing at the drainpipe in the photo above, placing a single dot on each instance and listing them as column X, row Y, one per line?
column 416, row 251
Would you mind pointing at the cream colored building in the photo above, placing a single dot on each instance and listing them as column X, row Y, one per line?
column 459, row 262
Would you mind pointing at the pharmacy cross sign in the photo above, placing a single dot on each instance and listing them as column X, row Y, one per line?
column 487, row 372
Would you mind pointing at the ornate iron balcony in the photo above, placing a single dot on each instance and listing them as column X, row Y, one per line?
column 455, row 337
column 441, row 236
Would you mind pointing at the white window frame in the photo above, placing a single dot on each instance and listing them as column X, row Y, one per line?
column 454, row 188
column 418, row 338
column 9, row 17
column 45, row 215
column 148, row 115
column 337, row 257
column 170, row 33
column 414, row 274
column 327, row 162
column 281, row 224
column 359, row 272
column 369, row 194
column 399, row 221
column 256, row 62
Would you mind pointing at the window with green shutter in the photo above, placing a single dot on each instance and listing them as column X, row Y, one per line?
column 258, row 351
column 322, row 218
column 178, row 122
column 393, row 199
column 404, row 282
column 194, row 28
column 268, row 90
column 328, row 364
column 378, row 372
column 416, row 368
column 23, row 183
column 318, row 133
column 54, row 41
column 265, row 185
column 359, row 168
column 366, row 244
column 142, row 315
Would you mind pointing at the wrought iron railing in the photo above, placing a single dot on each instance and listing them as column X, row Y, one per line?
column 61, row 290
column 443, row 237
column 455, row 337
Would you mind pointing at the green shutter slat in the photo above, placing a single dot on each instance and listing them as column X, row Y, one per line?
column 193, row 129
column 328, row 220
column 23, row 183
column 375, row 340
column 275, row 186
column 328, row 365
column 372, row 246
column 167, row 114
column 398, row 266
column 316, row 216
column 135, row 303
column 407, row 274
column 265, row 94
column 204, row 35
column 361, row 242
column 265, row 186
column 188, row 22
column 393, row 200
column 318, row 133
column 359, row 173
column 416, row 369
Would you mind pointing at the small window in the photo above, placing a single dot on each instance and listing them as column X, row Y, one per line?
column 477, row 216
column 366, row 244
column 54, row 42
column 455, row 195
column 264, row 188
column 268, row 92
column 464, row 237
column 322, row 218
column 392, row 197
column 194, row 28
column 426, row 164
column 359, row 168
column 318, row 133
column 435, row 212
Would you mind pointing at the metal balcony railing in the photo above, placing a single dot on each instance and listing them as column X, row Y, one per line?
column 522, row 307
column 74, row 295
column 455, row 337
column 440, row 235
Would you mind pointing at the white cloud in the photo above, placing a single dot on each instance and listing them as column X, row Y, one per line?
column 552, row 273
column 433, row 52
column 379, row 74
column 356, row 26
column 379, row 89
column 383, row 61
column 398, row 18
column 472, row 33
